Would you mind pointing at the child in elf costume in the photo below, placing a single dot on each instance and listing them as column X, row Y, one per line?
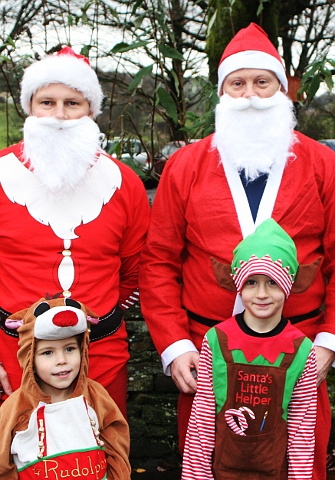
column 59, row 423
column 254, row 413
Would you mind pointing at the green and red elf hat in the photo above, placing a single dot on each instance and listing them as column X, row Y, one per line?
column 268, row 251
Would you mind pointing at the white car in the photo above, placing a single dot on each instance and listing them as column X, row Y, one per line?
column 329, row 143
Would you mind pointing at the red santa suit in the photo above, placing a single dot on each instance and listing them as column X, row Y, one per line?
column 85, row 245
column 205, row 213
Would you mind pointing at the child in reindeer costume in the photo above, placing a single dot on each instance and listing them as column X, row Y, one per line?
column 254, row 413
column 59, row 423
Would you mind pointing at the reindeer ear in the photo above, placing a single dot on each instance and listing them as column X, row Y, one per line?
column 222, row 275
column 92, row 317
column 305, row 276
column 13, row 324
column 93, row 320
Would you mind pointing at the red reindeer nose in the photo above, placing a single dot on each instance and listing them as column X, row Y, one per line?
column 65, row 319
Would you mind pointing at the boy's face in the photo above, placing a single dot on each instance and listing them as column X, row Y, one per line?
column 264, row 302
column 57, row 364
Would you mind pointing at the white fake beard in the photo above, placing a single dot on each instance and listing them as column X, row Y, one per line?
column 254, row 133
column 60, row 152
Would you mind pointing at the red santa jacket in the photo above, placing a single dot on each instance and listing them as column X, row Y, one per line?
column 87, row 244
column 194, row 218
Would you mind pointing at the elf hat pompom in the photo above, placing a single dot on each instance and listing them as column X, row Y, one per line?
column 268, row 251
column 251, row 48
column 64, row 67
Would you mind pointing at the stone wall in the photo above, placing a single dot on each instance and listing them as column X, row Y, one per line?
column 331, row 390
column 152, row 400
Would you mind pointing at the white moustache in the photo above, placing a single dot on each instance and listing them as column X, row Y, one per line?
column 57, row 124
column 242, row 103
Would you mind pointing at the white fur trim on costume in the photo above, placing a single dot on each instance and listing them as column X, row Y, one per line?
column 251, row 59
column 173, row 351
column 66, row 69
column 265, row 209
column 84, row 205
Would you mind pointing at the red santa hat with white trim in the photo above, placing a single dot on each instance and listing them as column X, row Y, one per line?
column 251, row 48
column 68, row 68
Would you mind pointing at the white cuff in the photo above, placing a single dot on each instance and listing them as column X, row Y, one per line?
column 326, row 340
column 173, row 351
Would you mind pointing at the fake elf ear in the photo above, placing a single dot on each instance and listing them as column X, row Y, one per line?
column 222, row 273
column 304, row 277
column 269, row 250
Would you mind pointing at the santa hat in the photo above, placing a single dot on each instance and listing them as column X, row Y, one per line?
column 251, row 48
column 64, row 67
column 268, row 251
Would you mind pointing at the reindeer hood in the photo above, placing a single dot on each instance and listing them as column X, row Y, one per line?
column 51, row 320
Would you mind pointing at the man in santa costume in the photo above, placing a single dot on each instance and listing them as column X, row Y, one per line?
column 213, row 194
column 73, row 220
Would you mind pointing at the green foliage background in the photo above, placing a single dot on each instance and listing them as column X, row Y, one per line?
column 10, row 125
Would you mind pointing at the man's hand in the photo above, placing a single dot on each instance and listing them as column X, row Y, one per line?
column 324, row 360
column 183, row 371
column 5, row 385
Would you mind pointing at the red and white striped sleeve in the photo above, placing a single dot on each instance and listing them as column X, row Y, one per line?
column 128, row 288
column 301, row 423
column 200, row 437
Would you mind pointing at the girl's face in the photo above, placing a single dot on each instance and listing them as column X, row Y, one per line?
column 57, row 364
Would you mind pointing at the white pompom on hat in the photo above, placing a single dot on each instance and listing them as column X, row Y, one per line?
column 64, row 67
column 251, row 48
